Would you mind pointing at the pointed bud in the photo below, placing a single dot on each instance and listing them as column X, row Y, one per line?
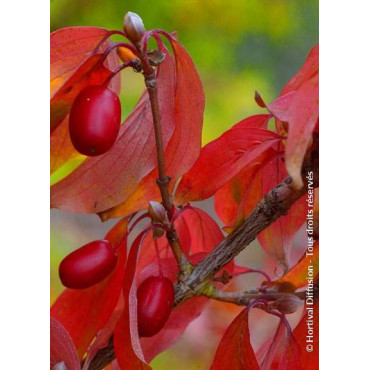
column 258, row 99
column 287, row 304
column 157, row 212
column 125, row 54
column 133, row 27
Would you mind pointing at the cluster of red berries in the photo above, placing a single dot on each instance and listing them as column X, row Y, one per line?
column 94, row 261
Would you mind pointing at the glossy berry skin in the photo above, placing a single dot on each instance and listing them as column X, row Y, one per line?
column 94, row 120
column 88, row 265
column 155, row 298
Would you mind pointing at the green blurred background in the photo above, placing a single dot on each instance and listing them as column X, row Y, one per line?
column 238, row 47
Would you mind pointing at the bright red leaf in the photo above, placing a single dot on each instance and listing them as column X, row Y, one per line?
column 235, row 350
column 84, row 312
column 225, row 157
column 62, row 348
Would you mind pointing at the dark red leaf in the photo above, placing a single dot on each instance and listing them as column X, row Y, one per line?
column 235, row 350
column 84, row 312
column 62, row 348
column 225, row 157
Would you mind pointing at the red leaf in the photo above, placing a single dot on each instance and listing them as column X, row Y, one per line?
column 277, row 239
column 204, row 232
column 69, row 47
column 283, row 351
column 299, row 106
column 309, row 69
column 61, row 147
column 74, row 65
column 62, row 348
column 197, row 231
column 103, row 182
column 225, row 157
column 235, row 350
column 310, row 321
column 126, row 341
column 102, row 338
column 303, row 116
column 184, row 146
column 84, row 312
column 297, row 275
column 237, row 198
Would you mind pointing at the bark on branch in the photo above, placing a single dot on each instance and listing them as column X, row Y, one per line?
column 275, row 203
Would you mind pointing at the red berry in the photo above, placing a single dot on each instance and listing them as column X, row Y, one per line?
column 94, row 120
column 88, row 265
column 155, row 298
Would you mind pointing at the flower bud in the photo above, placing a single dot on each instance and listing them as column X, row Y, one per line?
column 287, row 304
column 133, row 27
column 157, row 212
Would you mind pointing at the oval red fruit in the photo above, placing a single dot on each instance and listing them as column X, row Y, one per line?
column 94, row 120
column 155, row 298
column 88, row 265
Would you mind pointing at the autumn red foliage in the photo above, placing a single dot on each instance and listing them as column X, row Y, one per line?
column 130, row 301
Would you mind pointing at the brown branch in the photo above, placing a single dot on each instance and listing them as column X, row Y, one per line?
column 243, row 298
column 276, row 203
column 163, row 180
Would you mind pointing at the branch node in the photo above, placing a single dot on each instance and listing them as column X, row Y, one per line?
column 165, row 181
